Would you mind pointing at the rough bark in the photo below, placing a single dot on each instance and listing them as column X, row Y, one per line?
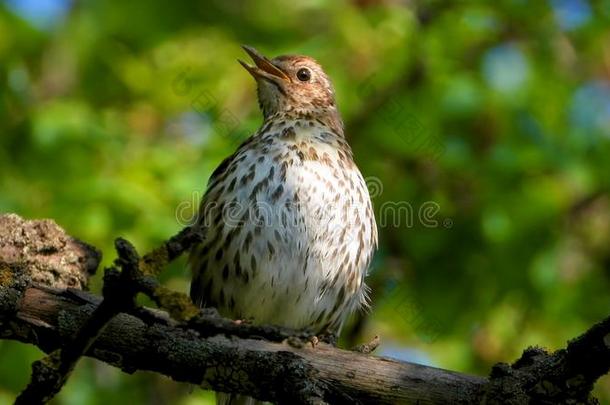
column 268, row 370
column 265, row 362
column 46, row 253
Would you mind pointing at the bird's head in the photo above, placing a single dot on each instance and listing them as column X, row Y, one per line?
column 292, row 83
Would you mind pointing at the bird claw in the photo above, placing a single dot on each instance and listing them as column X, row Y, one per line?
column 314, row 341
column 242, row 321
column 328, row 338
column 369, row 347
column 299, row 343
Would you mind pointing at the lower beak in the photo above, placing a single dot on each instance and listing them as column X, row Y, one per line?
column 264, row 69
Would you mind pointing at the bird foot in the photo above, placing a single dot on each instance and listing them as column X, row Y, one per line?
column 299, row 343
column 330, row 338
column 242, row 321
column 369, row 347
column 314, row 341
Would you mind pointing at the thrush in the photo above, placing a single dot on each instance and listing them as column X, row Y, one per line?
column 288, row 224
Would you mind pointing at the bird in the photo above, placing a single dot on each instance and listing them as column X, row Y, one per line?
column 287, row 221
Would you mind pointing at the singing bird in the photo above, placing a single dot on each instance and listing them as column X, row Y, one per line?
column 287, row 219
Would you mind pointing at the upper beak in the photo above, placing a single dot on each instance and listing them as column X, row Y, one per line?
column 264, row 69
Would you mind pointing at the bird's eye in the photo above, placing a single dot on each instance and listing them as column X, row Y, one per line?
column 304, row 74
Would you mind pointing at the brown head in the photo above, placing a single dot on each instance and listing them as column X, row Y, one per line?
column 293, row 84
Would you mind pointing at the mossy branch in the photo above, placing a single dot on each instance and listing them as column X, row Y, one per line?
column 266, row 362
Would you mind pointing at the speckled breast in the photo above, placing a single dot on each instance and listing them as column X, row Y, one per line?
column 289, row 230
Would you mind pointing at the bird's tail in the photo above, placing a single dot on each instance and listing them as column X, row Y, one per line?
column 233, row 399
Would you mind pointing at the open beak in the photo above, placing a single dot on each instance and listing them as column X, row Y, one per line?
column 264, row 69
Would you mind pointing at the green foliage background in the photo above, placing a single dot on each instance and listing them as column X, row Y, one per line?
column 114, row 113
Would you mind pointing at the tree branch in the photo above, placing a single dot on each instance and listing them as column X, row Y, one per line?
column 267, row 370
column 272, row 363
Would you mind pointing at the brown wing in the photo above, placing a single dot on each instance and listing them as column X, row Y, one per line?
column 197, row 289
